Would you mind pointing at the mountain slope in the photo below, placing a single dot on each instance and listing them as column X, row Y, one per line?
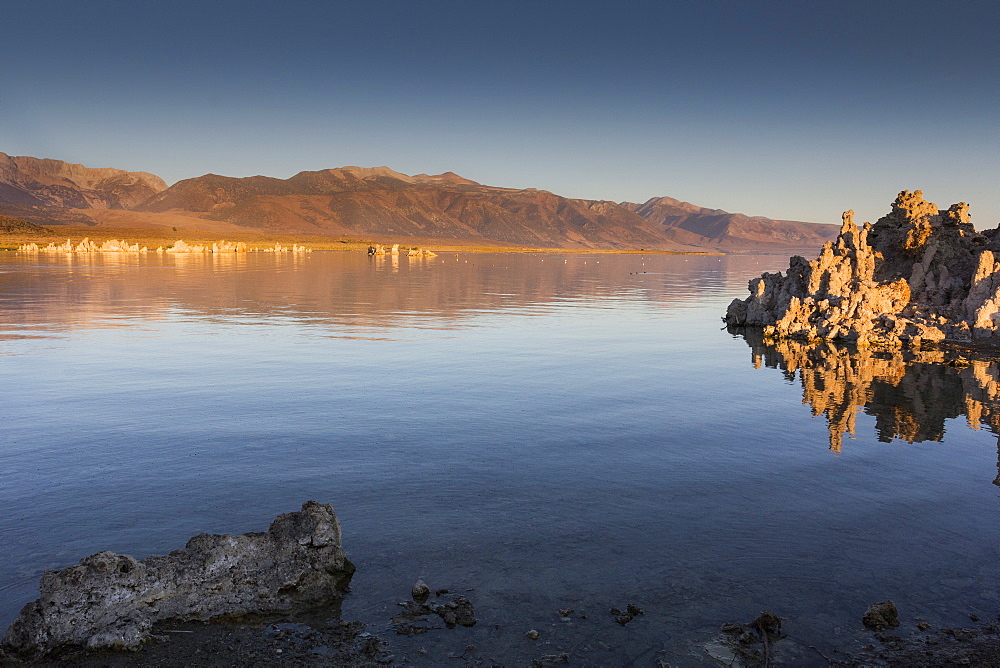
column 687, row 223
column 10, row 225
column 380, row 201
column 29, row 182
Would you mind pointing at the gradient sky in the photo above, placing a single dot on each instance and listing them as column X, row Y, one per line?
column 794, row 110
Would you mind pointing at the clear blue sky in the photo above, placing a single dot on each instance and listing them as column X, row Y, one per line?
column 793, row 110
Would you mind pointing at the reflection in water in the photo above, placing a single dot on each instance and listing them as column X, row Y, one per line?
column 910, row 393
column 349, row 292
column 545, row 430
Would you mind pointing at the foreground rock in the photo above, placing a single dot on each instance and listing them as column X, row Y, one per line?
column 414, row 617
column 881, row 616
column 918, row 275
column 112, row 600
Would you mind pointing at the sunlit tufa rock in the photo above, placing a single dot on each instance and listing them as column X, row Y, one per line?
column 918, row 275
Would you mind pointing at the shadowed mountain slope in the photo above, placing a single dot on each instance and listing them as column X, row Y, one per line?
column 687, row 223
column 10, row 225
column 38, row 182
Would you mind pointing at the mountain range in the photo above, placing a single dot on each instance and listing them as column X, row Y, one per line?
column 382, row 204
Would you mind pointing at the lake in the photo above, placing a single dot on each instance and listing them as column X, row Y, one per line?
column 536, row 431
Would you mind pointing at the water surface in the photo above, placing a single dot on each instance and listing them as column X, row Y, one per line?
column 544, row 431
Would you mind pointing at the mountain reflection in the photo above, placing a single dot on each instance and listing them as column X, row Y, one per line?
column 350, row 293
column 910, row 393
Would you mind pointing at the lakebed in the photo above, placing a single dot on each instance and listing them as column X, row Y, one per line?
column 538, row 432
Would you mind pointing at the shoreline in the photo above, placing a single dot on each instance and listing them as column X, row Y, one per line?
column 152, row 238
column 324, row 637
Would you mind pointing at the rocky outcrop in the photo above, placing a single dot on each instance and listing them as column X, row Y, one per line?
column 918, row 275
column 112, row 600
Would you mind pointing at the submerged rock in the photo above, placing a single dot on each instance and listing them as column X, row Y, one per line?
column 111, row 600
column 918, row 275
column 624, row 617
column 414, row 617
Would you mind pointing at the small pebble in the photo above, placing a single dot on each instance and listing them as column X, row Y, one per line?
column 532, row 634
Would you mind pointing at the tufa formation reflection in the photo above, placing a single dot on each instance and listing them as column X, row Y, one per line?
column 909, row 392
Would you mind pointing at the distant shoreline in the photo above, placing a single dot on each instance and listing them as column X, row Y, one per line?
column 152, row 238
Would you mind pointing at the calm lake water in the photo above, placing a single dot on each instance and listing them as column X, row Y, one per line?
column 535, row 431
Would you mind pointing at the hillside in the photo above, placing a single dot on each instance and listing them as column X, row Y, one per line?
column 378, row 202
column 10, row 225
column 683, row 222
column 39, row 182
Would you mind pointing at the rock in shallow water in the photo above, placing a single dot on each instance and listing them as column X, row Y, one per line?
column 420, row 591
column 112, row 600
column 918, row 275
column 881, row 616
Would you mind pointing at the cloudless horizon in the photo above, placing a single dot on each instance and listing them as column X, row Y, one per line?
column 788, row 110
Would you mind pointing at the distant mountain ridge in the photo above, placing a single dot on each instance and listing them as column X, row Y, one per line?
column 380, row 202
column 26, row 181
column 688, row 223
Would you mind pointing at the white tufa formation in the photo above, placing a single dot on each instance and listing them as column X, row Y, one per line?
column 180, row 246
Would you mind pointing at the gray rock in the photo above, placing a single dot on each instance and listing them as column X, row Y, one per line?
column 111, row 600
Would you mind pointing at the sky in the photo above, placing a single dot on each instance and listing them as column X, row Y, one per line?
column 791, row 110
